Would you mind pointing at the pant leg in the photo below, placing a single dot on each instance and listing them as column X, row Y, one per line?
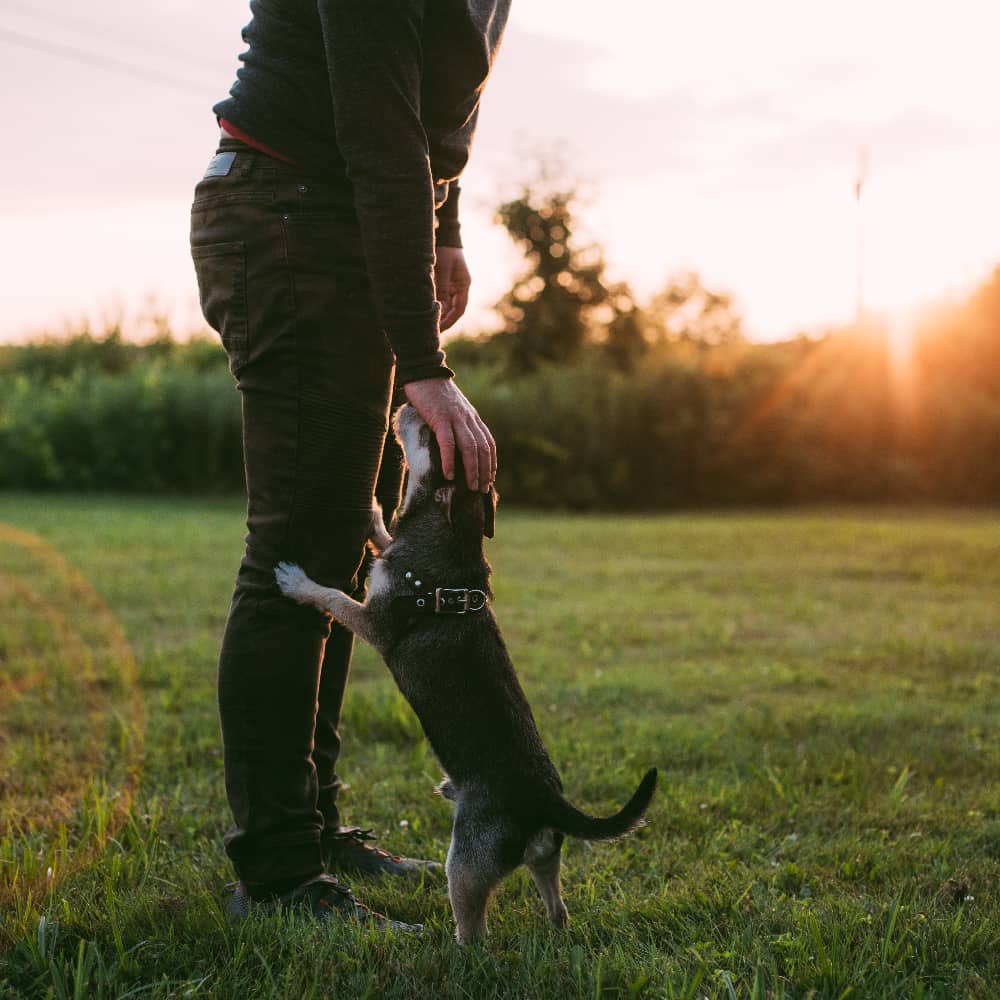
column 281, row 276
column 337, row 658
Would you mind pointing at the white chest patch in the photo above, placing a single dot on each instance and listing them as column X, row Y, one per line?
column 378, row 581
column 418, row 459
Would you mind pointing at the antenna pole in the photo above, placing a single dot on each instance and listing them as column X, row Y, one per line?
column 859, row 185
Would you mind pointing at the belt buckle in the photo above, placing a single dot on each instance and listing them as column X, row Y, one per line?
column 451, row 601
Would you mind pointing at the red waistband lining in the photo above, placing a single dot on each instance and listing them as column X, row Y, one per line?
column 238, row 133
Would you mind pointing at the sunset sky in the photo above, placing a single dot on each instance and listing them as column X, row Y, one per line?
column 717, row 136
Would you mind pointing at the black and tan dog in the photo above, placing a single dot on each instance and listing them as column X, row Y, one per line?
column 427, row 614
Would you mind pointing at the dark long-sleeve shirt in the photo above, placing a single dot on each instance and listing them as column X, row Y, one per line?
column 384, row 94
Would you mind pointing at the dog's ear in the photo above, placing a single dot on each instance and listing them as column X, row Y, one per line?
column 445, row 498
column 490, row 513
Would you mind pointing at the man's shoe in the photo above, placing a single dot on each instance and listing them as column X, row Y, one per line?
column 323, row 897
column 348, row 850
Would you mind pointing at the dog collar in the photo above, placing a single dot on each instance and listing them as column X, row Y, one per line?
column 408, row 609
column 441, row 601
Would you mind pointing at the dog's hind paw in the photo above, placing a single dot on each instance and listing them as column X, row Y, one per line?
column 291, row 579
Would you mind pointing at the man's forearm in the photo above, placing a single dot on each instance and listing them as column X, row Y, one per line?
column 374, row 58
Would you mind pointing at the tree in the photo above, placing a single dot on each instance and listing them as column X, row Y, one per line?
column 626, row 337
column 547, row 314
column 686, row 311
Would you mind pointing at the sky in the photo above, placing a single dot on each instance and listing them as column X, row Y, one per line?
column 716, row 136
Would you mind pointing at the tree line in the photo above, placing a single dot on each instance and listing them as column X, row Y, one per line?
column 597, row 401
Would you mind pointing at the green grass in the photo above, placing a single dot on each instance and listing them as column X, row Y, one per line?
column 819, row 690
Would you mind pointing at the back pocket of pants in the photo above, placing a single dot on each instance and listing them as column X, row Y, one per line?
column 222, row 292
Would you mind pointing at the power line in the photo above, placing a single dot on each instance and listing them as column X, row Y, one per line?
column 101, row 31
column 99, row 61
column 859, row 186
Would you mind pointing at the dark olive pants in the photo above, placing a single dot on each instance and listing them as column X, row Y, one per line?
column 281, row 277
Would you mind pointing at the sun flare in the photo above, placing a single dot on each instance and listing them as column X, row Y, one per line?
column 900, row 338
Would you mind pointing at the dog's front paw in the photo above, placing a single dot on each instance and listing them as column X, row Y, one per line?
column 292, row 580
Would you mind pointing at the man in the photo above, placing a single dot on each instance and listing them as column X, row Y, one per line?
column 314, row 235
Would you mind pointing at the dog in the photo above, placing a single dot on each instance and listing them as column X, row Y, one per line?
column 427, row 613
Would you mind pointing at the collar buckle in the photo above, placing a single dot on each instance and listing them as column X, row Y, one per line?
column 458, row 600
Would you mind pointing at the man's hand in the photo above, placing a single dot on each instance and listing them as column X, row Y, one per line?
column 451, row 281
column 455, row 423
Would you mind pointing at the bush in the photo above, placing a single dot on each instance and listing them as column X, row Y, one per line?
column 150, row 428
column 686, row 424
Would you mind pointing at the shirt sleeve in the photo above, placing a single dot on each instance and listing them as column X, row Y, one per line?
column 374, row 59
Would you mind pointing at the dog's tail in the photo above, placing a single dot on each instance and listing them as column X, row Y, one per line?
column 569, row 820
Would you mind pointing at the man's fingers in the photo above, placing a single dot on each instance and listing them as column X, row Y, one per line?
column 449, row 315
column 486, row 461
column 492, row 445
column 454, row 308
column 459, row 302
column 468, row 442
column 451, row 282
column 446, row 445
column 443, row 268
column 442, row 288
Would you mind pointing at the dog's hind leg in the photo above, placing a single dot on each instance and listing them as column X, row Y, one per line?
column 474, row 867
column 543, row 858
column 469, row 889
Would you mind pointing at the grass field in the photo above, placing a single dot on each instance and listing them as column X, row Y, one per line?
column 819, row 690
